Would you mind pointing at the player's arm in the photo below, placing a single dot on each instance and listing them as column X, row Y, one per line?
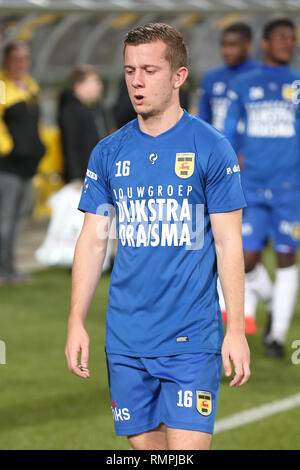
column 228, row 241
column 87, row 267
column 204, row 107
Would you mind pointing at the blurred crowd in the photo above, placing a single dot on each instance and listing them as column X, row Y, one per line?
column 82, row 120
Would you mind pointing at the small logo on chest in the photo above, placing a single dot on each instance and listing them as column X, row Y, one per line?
column 184, row 164
column 153, row 157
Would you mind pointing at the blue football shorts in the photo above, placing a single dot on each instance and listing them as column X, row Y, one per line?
column 180, row 391
column 272, row 214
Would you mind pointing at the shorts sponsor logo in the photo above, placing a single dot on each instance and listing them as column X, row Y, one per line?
column 119, row 414
column 184, row 164
column 204, row 402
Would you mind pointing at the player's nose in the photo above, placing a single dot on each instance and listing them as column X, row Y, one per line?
column 137, row 81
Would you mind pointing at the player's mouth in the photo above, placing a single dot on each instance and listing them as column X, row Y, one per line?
column 139, row 99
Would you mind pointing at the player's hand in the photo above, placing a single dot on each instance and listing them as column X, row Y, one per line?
column 235, row 348
column 78, row 342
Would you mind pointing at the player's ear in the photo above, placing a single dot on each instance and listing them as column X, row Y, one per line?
column 180, row 77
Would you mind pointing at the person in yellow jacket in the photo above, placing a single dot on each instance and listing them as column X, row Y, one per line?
column 20, row 151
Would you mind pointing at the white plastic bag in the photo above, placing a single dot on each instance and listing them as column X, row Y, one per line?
column 64, row 228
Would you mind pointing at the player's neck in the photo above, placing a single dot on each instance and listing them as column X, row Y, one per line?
column 274, row 63
column 242, row 61
column 162, row 122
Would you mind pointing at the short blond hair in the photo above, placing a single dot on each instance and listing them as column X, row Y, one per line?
column 176, row 53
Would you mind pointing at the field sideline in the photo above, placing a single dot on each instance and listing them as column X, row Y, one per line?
column 44, row 406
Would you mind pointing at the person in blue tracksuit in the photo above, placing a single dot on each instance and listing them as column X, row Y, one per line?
column 266, row 98
column 235, row 45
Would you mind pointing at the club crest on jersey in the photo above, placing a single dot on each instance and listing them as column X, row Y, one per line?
column 204, row 402
column 288, row 92
column 184, row 164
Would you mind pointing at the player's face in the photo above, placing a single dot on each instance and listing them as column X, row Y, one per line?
column 149, row 78
column 280, row 45
column 234, row 48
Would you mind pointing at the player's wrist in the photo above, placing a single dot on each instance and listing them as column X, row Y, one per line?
column 235, row 329
column 75, row 320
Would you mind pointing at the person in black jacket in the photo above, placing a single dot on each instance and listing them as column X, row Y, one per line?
column 82, row 121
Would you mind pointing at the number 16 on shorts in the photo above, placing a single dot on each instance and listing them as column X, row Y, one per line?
column 203, row 400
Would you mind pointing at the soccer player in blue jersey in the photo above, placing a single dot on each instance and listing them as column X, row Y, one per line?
column 174, row 183
column 235, row 46
column 271, row 176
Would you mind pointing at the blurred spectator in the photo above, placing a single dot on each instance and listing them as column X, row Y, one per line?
column 82, row 120
column 124, row 112
column 20, row 152
column 235, row 45
column 267, row 101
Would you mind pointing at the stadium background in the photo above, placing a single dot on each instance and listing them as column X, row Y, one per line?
column 43, row 406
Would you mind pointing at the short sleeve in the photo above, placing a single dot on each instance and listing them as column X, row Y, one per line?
column 96, row 196
column 223, row 183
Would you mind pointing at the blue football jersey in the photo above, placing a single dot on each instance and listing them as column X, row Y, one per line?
column 265, row 99
column 162, row 297
column 213, row 100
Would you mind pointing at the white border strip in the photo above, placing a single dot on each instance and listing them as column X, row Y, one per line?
column 255, row 414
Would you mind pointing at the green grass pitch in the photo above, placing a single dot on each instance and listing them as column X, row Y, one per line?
column 44, row 406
